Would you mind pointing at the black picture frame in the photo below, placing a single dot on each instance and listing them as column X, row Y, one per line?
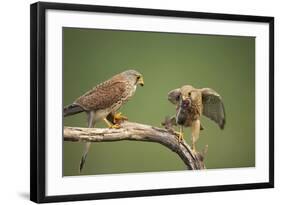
column 38, row 100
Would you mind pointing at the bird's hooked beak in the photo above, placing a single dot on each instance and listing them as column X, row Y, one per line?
column 140, row 81
column 184, row 98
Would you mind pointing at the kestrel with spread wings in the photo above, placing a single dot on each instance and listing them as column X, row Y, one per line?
column 191, row 104
column 105, row 99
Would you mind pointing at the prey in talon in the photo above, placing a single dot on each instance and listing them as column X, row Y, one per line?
column 116, row 119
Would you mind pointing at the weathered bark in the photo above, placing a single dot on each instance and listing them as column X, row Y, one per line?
column 137, row 132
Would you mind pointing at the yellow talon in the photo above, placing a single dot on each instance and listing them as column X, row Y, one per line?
column 119, row 117
column 193, row 147
column 115, row 126
column 194, row 150
column 180, row 136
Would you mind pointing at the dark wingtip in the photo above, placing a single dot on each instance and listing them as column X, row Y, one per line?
column 222, row 124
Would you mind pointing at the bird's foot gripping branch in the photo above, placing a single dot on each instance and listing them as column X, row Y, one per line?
column 138, row 132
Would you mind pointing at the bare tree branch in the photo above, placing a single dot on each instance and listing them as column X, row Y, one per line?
column 137, row 132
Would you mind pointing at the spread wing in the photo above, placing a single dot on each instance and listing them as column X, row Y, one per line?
column 103, row 95
column 174, row 96
column 213, row 107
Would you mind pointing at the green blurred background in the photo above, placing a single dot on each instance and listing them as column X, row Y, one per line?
column 167, row 61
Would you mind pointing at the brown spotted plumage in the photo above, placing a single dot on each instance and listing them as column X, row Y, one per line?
column 191, row 103
column 105, row 99
column 106, row 94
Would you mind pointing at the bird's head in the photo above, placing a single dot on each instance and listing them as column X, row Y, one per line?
column 134, row 77
column 189, row 95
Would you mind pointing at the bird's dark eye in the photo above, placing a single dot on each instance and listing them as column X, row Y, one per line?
column 177, row 97
column 138, row 77
column 189, row 94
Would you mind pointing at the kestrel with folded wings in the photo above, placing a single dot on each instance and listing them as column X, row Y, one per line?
column 105, row 99
column 191, row 104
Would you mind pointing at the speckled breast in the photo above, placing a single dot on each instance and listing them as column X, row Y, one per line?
column 187, row 116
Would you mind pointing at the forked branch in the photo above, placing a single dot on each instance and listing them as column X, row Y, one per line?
column 137, row 132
